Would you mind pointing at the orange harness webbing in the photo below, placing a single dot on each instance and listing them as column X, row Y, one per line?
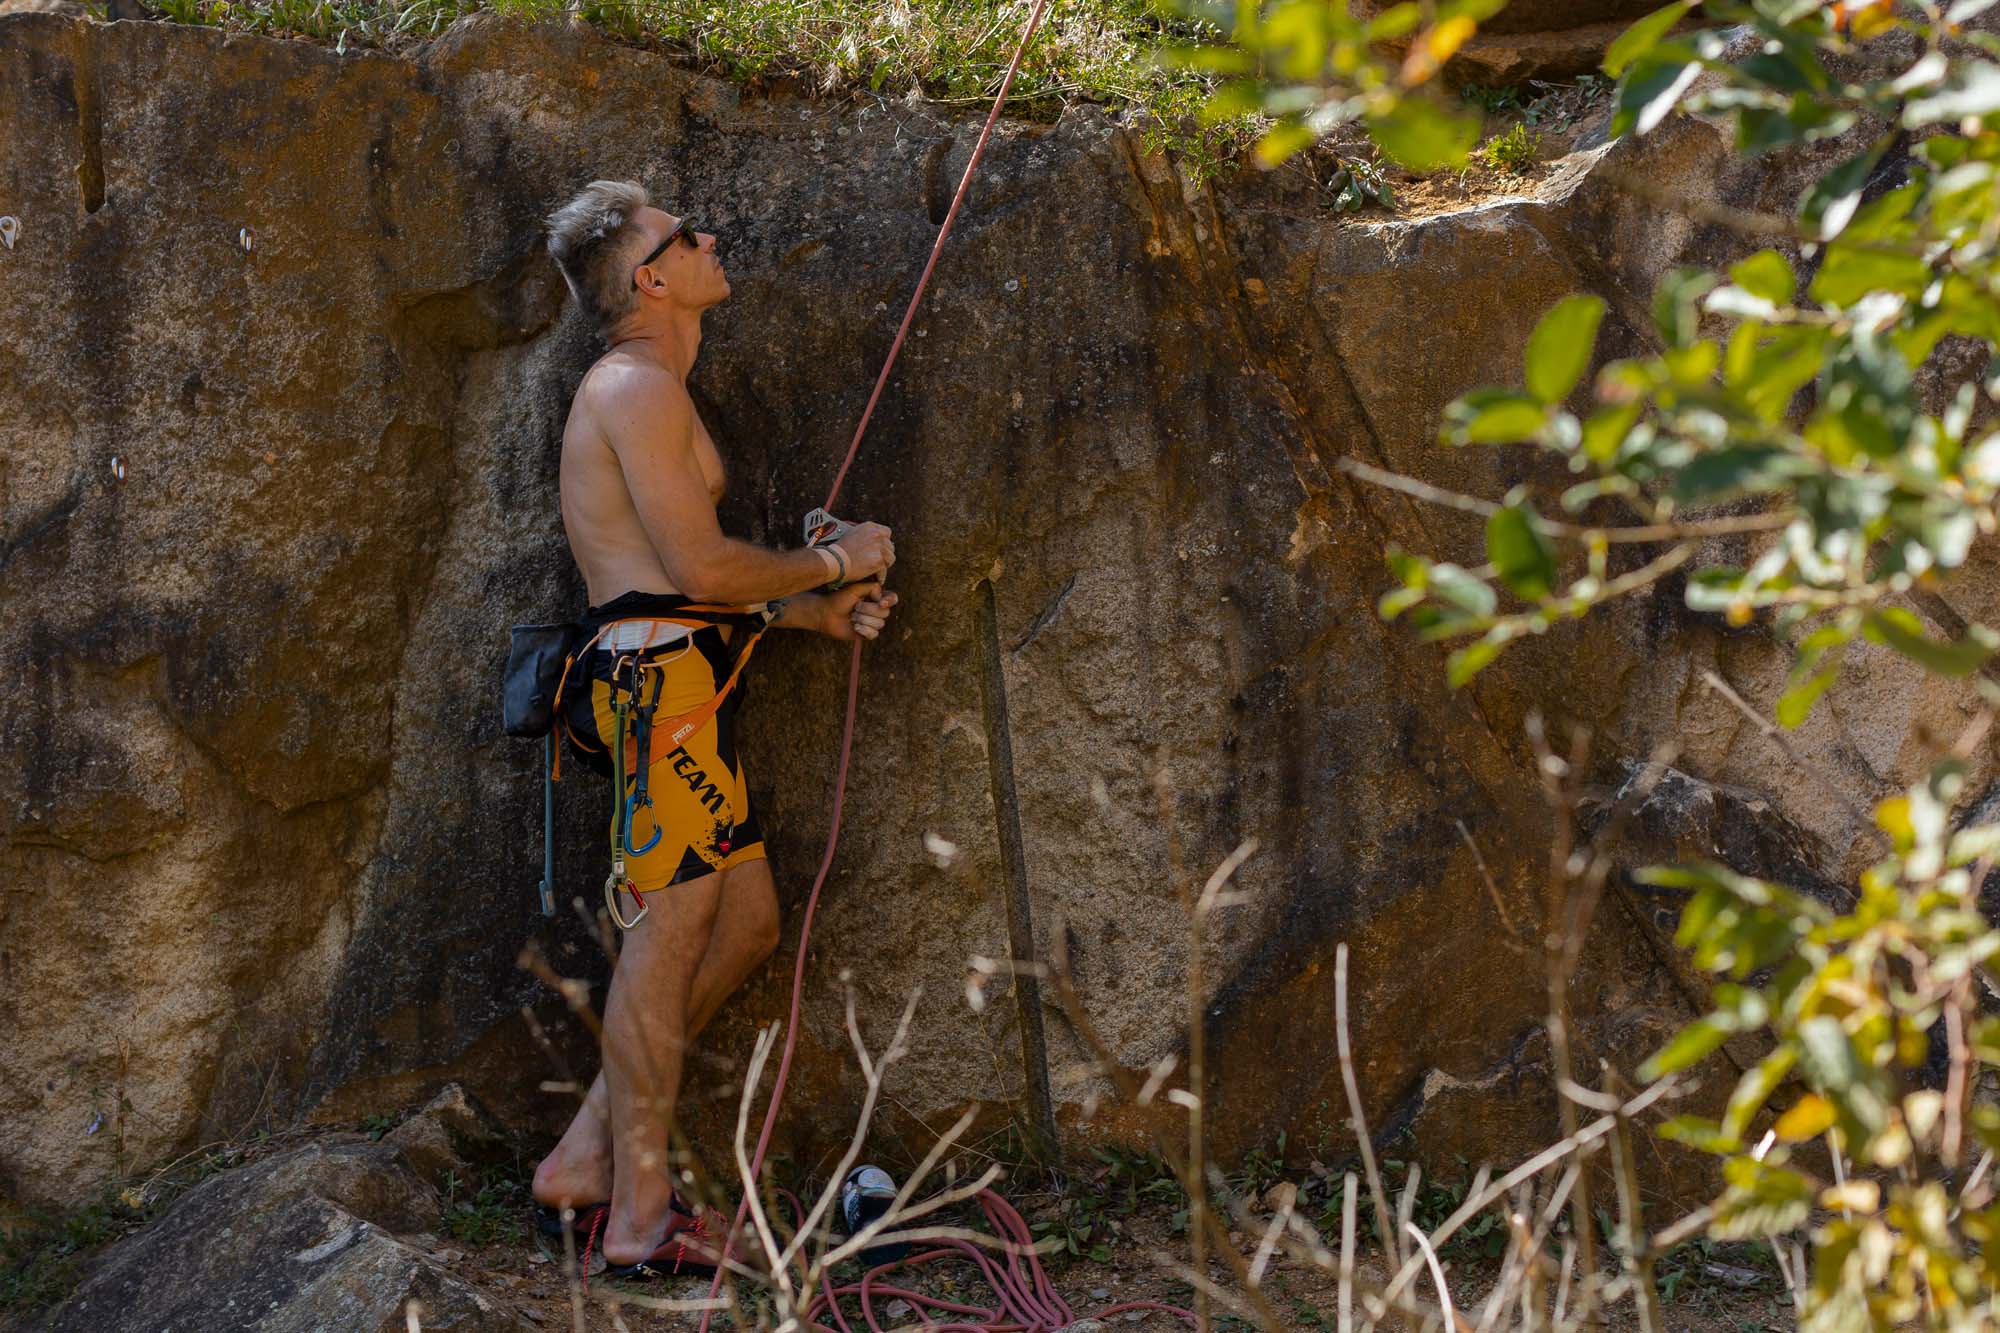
column 670, row 733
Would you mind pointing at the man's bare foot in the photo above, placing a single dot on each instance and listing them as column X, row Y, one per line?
column 630, row 1238
column 578, row 1172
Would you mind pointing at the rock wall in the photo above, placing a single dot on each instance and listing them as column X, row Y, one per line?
column 282, row 373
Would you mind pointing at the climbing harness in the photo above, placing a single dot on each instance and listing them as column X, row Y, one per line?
column 535, row 691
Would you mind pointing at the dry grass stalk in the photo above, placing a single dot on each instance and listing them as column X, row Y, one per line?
column 1376, row 1194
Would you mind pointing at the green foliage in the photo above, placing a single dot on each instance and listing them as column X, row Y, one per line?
column 1778, row 404
column 487, row 1209
column 1684, row 1272
column 1305, row 68
column 1513, row 151
column 1359, row 184
column 1846, row 1003
column 1804, row 403
column 1099, row 1202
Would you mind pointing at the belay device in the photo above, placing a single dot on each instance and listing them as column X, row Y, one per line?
column 823, row 529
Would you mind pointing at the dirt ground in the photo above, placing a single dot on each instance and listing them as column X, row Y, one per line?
column 1728, row 1299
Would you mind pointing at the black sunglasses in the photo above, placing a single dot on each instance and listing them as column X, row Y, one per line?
column 680, row 231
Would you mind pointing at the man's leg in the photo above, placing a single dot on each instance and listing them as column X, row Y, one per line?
column 745, row 932
column 645, row 1041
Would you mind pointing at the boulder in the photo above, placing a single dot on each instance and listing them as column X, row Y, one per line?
column 452, row 1136
column 311, row 1239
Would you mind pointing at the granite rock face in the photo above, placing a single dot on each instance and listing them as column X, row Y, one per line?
column 281, row 381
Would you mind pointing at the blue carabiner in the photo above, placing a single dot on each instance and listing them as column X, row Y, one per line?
column 631, row 803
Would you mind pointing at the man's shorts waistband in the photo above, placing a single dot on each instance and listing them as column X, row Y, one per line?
column 627, row 636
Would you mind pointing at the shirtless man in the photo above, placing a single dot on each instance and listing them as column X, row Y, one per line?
column 640, row 481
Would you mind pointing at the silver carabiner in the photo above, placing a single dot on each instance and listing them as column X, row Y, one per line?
column 614, row 892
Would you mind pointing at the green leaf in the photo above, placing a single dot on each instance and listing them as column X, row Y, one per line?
column 1520, row 550
column 1852, row 272
column 1755, row 1088
column 1796, row 704
column 1829, row 1057
column 1398, row 600
column 1692, row 1043
column 1699, row 1133
column 1894, row 627
column 1605, row 431
column 1282, row 140
column 1781, row 365
column 1761, row 1200
column 1643, row 36
column 1649, row 91
column 1462, row 590
column 1207, row 55
column 1492, row 416
column 1424, row 136
column 1765, row 274
column 1675, row 313
column 1469, row 661
column 1968, row 845
column 1395, row 21
column 1985, row 1039
column 1829, row 205
column 1559, row 349
column 1737, row 470
column 1230, row 101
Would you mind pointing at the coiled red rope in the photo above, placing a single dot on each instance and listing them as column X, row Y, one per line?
column 1026, row 1299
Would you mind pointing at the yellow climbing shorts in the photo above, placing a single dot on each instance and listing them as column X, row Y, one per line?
column 694, row 817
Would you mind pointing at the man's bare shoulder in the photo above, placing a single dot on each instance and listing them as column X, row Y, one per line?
column 623, row 392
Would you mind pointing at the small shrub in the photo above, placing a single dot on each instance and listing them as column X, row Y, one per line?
column 1513, row 152
column 1358, row 185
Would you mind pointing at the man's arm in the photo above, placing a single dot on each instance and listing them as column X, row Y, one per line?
column 858, row 611
column 649, row 422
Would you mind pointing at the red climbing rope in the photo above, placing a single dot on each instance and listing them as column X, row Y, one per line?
column 1027, row 1301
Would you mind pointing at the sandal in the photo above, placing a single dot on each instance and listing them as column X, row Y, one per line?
column 686, row 1250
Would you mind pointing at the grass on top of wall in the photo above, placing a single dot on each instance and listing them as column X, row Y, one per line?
column 953, row 51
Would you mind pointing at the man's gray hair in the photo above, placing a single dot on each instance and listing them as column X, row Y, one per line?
column 592, row 238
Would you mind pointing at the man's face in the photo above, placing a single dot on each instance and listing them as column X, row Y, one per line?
column 687, row 272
